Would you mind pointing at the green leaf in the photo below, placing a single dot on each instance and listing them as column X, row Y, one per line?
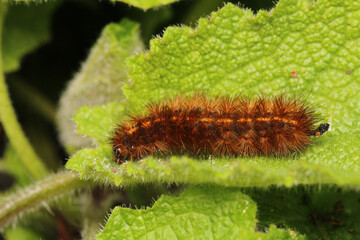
column 146, row 4
column 318, row 213
column 234, row 52
column 199, row 213
column 25, row 29
column 13, row 164
column 21, row 233
column 100, row 79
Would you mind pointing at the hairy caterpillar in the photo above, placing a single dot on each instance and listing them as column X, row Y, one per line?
column 219, row 126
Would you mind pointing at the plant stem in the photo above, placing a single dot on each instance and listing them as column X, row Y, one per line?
column 11, row 125
column 25, row 199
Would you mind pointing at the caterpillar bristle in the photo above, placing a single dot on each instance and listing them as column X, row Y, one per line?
column 218, row 126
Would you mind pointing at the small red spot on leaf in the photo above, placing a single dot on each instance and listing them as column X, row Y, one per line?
column 114, row 170
column 348, row 72
column 293, row 74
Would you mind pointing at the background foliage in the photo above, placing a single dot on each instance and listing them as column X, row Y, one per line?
column 86, row 60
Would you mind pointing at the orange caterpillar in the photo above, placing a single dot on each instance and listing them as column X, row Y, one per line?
column 219, row 126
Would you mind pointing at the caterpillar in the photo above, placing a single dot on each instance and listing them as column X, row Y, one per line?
column 218, row 126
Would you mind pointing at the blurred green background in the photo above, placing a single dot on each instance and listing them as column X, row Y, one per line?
column 44, row 73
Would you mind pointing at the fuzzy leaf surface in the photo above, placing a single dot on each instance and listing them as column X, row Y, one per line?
column 298, row 49
column 100, row 79
column 146, row 4
column 199, row 213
